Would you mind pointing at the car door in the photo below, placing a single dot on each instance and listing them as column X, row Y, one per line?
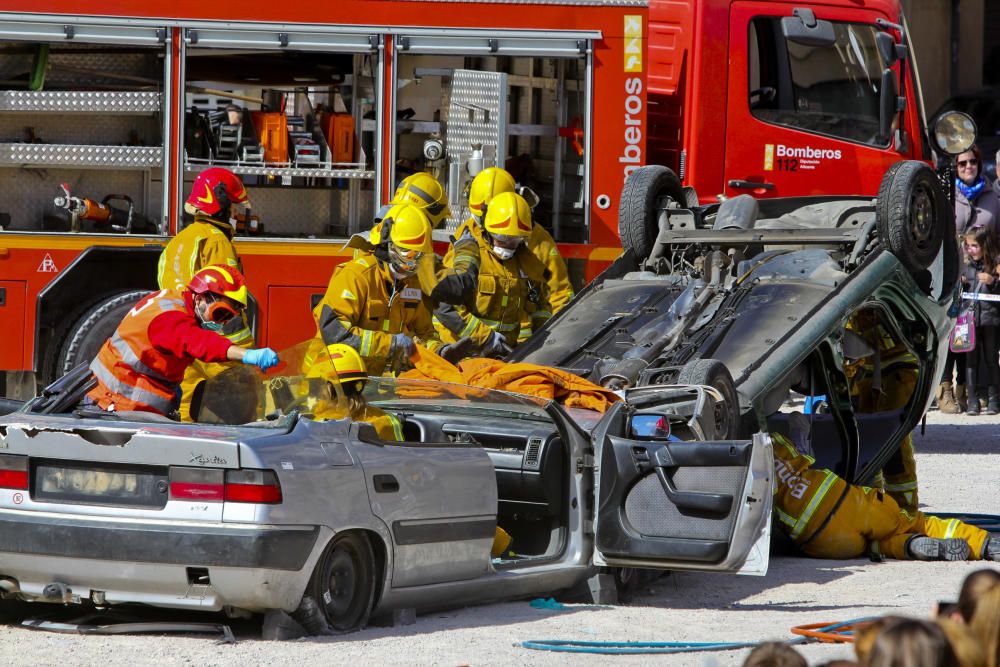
column 680, row 504
column 439, row 502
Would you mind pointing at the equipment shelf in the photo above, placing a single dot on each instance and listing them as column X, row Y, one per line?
column 79, row 155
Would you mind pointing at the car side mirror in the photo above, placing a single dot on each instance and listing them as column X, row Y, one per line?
column 889, row 104
column 803, row 28
column 649, row 427
column 529, row 196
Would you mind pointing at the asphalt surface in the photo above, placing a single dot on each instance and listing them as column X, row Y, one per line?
column 957, row 460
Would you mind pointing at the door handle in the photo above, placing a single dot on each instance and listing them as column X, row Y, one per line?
column 709, row 503
column 749, row 185
column 385, row 484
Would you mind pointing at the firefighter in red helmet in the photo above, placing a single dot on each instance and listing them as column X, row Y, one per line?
column 215, row 198
column 141, row 366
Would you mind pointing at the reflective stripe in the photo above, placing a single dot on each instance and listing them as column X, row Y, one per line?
column 131, row 360
column 499, row 326
column 785, row 518
column 366, row 343
column 952, row 527
column 905, row 486
column 470, row 326
column 813, row 504
column 541, row 313
column 130, row 392
column 397, row 428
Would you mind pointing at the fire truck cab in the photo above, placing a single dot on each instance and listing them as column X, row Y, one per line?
column 105, row 120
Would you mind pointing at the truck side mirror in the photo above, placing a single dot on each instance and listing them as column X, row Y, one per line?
column 890, row 50
column 803, row 28
column 888, row 104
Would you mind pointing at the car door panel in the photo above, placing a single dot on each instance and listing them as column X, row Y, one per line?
column 685, row 505
column 439, row 503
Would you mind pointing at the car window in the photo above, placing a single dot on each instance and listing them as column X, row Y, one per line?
column 832, row 90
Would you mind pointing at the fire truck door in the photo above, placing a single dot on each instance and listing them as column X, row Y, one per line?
column 803, row 102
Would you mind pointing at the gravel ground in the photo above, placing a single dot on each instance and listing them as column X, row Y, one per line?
column 957, row 461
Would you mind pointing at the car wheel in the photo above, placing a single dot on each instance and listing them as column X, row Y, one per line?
column 912, row 214
column 343, row 585
column 84, row 338
column 711, row 372
column 646, row 190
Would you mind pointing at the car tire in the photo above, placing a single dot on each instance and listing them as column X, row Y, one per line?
column 342, row 586
column 714, row 373
column 84, row 338
column 911, row 214
column 646, row 190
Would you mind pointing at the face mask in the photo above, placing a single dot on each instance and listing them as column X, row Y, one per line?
column 503, row 253
column 212, row 326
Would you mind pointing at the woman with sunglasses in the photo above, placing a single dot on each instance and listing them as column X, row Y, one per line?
column 976, row 205
column 141, row 366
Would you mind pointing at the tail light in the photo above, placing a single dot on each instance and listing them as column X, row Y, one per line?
column 252, row 486
column 206, row 485
column 13, row 472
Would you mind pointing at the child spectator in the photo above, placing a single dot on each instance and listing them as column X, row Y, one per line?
column 910, row 642
column 774, row 654
column 979, row 275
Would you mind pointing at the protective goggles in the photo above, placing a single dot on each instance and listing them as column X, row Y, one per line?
column 221, row 310
column 508, row 242
column 404, row 259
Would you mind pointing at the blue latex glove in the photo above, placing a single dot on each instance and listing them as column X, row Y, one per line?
column 263, row 358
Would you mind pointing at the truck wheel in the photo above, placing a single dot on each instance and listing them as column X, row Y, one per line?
column 711, row 372
column 646, row 191
column 343, row 585
column 911, row 214
column 85, row 337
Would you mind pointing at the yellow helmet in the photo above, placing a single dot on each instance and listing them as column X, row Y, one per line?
column 487, row 184
column 341, row 364
column 508, row 215
column 426, row 192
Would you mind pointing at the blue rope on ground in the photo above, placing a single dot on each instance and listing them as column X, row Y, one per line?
column 627, row 648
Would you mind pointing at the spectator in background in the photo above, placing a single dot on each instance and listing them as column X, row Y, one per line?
column 985, row 624
column 910, row 642
column 976, row 205
column 964, row 642
column 975, row 586
column 774, row 654
column 980, row 276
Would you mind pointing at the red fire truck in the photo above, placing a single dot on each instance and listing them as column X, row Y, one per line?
column 109, row 110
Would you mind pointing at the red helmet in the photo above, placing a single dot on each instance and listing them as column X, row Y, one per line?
column 222, row 281
column 214, row 190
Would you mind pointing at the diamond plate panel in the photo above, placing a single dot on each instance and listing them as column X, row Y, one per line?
column 651, row 513
column 304, row 172
column 477, row 114
column 80, row 101
column 27, row 194
column 105, row 157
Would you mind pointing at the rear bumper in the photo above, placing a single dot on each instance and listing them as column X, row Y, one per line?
column 247, row 566
column 249, row 546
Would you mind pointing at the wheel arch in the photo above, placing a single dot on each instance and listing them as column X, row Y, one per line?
column 96, row 273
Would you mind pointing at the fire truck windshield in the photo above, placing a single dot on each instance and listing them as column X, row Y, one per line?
column 828, row 89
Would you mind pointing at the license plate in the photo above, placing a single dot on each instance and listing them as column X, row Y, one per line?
column 120, row 486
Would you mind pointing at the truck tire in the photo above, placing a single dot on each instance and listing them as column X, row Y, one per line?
column 911, row 214
column 714, row 373
column 84, row 337
column 646, row 190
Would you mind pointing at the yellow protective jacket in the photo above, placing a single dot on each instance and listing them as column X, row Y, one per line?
column 363, row 307
column 829, row 518
column 543, row 247
column 387, row 426
column 509, row 298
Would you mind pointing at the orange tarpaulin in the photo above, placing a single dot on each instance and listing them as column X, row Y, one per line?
column 530, row 379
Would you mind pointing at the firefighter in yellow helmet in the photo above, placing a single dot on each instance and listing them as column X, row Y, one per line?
column 341, row 365
column 375, row 304
column 215, row 196
column 493, row 181
column 509, row 290
column 882, row 381
column 427, row 193
column 828, row 518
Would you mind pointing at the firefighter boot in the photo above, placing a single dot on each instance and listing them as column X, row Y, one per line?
column 993, row 405
column 922, row 547
column 946, row 399
column 991, row 547
column 961, row 398
column 973, row 396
